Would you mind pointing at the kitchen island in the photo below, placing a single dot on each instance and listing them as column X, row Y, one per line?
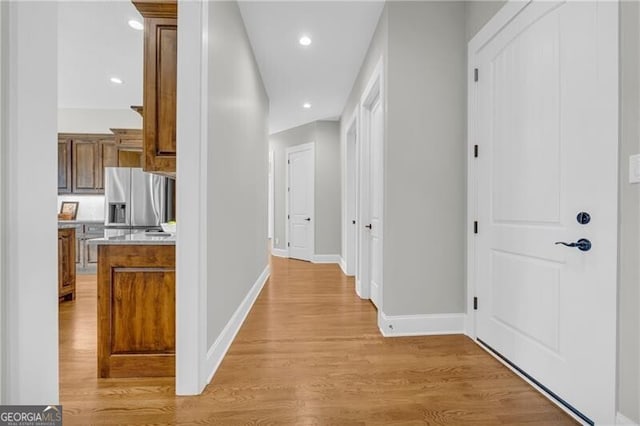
column 136, row 305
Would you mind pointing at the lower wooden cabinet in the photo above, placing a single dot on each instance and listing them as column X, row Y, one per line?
column 66, row 263
column 136, row 310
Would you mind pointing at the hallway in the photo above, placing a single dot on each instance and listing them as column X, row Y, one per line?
column 308, row 353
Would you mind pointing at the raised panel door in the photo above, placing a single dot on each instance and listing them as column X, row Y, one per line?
column 64, row 166
column 85, row 162
column 160, row 81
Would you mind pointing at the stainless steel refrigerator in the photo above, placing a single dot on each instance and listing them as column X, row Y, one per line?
column 135, row 199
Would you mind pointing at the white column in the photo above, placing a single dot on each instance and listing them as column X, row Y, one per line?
column 29, row 200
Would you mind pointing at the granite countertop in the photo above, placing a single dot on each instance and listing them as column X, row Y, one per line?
column 136, row 238
column 62, row 225
column 77, row 222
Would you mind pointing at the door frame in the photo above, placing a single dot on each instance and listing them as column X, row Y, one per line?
column 374, row 90
column 350, row 210
column 502, row 18
column 309, row 146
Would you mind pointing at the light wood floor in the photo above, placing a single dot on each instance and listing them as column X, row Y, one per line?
column 308, row 353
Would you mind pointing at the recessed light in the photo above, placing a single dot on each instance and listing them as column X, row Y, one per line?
column 136, row 25
column 116, row 80
column 305, row 40
column 306, row 105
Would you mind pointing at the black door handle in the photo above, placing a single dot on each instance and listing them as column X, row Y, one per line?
column 582, row 244
column 368, row 226
column 308, row 219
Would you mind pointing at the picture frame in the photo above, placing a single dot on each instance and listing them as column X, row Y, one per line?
column 68, row 210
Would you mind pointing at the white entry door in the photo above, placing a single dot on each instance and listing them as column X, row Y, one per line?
column 300, row 201
column 547, row 129
column 371, row 190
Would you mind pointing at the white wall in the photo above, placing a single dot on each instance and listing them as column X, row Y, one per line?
column 326, row 135
column 222, row 178
column 29, row 198
column 80, row 120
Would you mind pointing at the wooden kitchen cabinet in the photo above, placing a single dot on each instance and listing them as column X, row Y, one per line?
column 136, row 310
column 64, row 166
column 66, row 263
column 160, row 80
column 81, row 162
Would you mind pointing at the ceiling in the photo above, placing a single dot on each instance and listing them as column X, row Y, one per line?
column 321, row 74
column 96, row 43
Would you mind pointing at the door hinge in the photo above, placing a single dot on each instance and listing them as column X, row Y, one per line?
column 288, row 161
column 288, row 217
column 288, row 244
column 288, row 189
column 475, row 303
column 475, row 151
column 475, row 227
column 475, row 74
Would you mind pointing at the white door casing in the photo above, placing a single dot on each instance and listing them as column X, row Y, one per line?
column 371, row 203
column 544, row 114
column 300, row 201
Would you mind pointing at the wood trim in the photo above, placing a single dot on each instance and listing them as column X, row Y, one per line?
column 157, row 8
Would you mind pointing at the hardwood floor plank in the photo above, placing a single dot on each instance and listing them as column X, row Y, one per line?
column 310, row 353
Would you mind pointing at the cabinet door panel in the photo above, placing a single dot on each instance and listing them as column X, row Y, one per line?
column 85, row 166
column 64, row 166
column 160, row 94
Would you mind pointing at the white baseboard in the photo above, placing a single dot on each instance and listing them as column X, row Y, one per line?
column 279, row 252
column 326, row 258
column 623, row 420
column 343, row 265
column 218, row 350
column 420, row 325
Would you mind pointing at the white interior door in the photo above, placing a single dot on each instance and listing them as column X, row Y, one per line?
column 375, row 200
column 547, row 130
column 351, row 204
column 300, row 206
column 369, row 278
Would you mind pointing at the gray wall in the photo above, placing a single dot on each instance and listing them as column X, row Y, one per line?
column 424, row 48
column 424, row 220
column 478, row 13
column 629, row 251
column 326, row 135
column 237, row 167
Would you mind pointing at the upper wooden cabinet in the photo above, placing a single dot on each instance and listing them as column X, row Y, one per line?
column 160, row 79
column 81, row 162
column 129, row 147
